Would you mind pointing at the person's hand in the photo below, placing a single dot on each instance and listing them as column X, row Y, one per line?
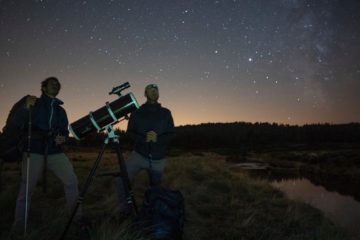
column 59, row 139
column 151, row 136
column 30, row 101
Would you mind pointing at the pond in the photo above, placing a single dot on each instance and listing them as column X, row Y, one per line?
column 342, row 209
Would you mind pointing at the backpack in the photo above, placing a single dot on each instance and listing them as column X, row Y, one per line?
column 163, row 214
column 12, row 136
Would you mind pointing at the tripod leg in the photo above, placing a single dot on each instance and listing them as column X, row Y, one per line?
column 83, row 192
column 125, row 177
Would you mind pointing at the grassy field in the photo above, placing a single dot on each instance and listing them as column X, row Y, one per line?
column 220, row 204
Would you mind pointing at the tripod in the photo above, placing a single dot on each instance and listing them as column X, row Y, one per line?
column 114, row 140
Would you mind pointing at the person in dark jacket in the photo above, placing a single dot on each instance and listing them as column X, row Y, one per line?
column 151, row 128
column 49, row 131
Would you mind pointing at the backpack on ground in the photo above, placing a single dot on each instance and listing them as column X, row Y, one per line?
column 163, row 214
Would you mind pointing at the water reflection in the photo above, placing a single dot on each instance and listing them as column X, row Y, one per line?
column 337, row 199
column 342, row 210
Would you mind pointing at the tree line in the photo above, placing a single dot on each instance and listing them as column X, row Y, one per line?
column 232, row 135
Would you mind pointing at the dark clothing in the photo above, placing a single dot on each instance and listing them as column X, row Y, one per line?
column 151, row 117
column 48, row 120
column 61, row 166
column 134, row 164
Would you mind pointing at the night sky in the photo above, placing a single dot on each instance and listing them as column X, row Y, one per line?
column 284, row 61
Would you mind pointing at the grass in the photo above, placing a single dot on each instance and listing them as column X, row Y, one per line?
column 220, row 204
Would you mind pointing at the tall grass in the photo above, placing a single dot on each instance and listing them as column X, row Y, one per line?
column 220, row 204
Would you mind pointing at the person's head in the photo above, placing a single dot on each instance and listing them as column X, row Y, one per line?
column 152, row 93
column 50, row 86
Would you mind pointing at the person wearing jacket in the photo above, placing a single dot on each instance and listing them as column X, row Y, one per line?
column 151, row 128
column 49, row 131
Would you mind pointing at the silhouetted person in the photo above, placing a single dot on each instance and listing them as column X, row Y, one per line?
column 151, row 128
column 49, row 133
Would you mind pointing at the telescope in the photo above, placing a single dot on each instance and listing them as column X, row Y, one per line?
column 107, row 115
column 103, row 119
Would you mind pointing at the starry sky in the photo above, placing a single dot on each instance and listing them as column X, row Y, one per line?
column 284, row 61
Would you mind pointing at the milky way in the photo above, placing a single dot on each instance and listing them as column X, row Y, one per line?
column 285, row 61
